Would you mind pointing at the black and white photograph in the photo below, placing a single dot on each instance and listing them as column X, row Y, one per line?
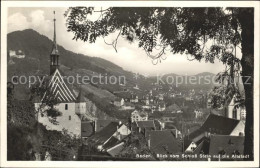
column 140, row 83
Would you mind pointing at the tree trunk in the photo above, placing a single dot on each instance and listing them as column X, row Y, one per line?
column 246, row 19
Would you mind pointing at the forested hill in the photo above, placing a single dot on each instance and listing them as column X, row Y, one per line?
column 38, row 47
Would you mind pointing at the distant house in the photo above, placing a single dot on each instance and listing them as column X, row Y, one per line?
column 163, row 142
column 160, row 97
column 12, row 53
column 16, row 54
column 232, row 110
column 119, row 102
column 163, row 116
column 161, row 106
column 198, row 113
column 125, row 94
column 174, row 108
column 134, row 98
column 234, row 97
column 146, row 107
column 89, row 128
column 109, row 137
column 139, row 116
column 127, row 106
column 145, row 100
column 136, row 87
column 143, row 126
column 214, row 125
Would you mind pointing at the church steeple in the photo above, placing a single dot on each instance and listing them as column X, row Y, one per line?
column 54, row 57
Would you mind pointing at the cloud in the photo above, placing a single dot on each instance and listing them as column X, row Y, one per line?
column 39, row 22
column 17, row 21
column 35, row 20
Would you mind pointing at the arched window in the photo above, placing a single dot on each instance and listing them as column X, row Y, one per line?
column 69, row 117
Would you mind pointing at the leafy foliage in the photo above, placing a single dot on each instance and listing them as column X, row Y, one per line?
column 191, row 28
column 202, row 33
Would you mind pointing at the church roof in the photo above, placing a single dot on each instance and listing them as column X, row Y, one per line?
column 58, row 89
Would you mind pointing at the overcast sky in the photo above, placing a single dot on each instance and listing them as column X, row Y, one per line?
column 129, row 56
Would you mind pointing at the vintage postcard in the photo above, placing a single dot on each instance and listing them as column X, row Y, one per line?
column 129, row 83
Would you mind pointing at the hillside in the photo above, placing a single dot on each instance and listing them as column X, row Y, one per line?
column 38, row 47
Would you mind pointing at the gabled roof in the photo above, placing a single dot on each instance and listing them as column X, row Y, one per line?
column 101, row 124
column 173, row 107
column 214, row 124
column 102, row 136
column 87, row 129
column 58, row 89
column 203, row 146
column 145, row 124
column 164, row 142
column 219, row 124
column 227, row 144
column 115, row 150
column 141, row 113
column 111, row 142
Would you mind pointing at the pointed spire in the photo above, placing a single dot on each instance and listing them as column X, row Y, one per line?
column 54, row 47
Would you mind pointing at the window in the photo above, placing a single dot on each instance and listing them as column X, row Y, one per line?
column 234, row 113
column 66, row 106
column 69, row 117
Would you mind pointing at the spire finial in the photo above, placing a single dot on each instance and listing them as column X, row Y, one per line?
column 55, row 48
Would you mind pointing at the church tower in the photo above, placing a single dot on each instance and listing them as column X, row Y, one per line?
column 54, row 57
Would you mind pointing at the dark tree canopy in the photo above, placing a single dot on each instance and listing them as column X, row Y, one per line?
column 198, row 33
column 181, row 30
